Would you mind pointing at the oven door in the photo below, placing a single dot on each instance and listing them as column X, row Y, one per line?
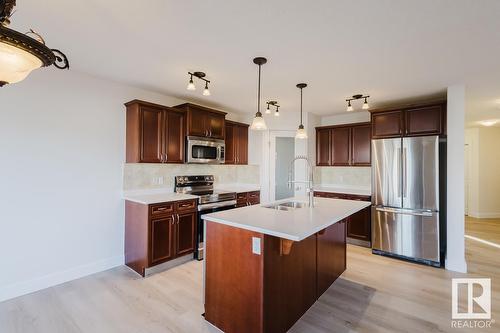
column 205, row 151
column 200, row 236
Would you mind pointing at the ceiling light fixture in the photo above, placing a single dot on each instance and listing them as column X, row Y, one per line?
column 201, row 76
column 191, row 85
column 20, row 54
column 277, row 112
column 349, row 106
column 488, row 123
column 301, row 132
column 365, row 106
column 275, row 104
column 258, row 123
column 206, row 92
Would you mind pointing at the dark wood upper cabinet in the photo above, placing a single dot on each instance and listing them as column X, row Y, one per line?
column 151, row 139
column 341, row 146
column 155, row 133
column 424, row 121
column 344, row 145
column 361, row 145
column 174, row 137
column 236, row 143
column 231, row 138
column 410, row 120
column 387, row 124
column 323, row 147
column 203, row 121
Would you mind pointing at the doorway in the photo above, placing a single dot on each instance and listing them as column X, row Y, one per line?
column 282, row 153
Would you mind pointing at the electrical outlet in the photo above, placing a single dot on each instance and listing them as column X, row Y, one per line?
column 157, row 180
column 256, row 245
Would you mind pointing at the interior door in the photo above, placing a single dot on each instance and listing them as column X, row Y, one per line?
column 420, row 160
column 386, row 172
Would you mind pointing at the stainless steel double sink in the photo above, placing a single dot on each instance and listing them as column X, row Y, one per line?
column 286, row 206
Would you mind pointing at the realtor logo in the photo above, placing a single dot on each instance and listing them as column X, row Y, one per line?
column 478, row 293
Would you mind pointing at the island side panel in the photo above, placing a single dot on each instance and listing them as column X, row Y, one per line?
column 233, row 279
column 289, row 282
column 331, row 249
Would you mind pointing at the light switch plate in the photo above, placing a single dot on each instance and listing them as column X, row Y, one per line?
column 256, row 245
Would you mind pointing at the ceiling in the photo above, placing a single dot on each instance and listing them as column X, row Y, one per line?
column 393, row 50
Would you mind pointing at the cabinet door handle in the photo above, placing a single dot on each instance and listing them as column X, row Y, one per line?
column 173, row 220
column 177, row 218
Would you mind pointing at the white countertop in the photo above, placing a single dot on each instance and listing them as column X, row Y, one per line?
column 344, row 189
column 238, row 188
column 153, row 198
column 294, row 225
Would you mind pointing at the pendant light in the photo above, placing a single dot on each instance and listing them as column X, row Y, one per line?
column 301, row 132
column 258, row 123
column 20, row 53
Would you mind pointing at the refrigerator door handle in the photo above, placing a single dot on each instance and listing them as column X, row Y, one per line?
column 405, row 173
column 405, row 212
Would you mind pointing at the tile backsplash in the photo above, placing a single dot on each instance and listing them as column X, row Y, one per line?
column 138, row 176
column 349, row 176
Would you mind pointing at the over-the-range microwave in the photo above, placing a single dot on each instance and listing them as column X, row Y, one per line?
column 205, row 150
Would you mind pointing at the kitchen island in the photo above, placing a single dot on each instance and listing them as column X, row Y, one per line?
column 265, row 266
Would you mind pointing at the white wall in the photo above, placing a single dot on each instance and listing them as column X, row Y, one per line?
column 62, row 148
column 346, row 118
column 455, row 258
column 483, row 165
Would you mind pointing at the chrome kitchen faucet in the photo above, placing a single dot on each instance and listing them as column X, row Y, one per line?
column 310, row 181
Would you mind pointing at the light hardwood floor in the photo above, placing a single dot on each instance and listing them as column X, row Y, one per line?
column 375, row 294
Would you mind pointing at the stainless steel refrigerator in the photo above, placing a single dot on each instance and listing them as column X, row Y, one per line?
column 405, row 211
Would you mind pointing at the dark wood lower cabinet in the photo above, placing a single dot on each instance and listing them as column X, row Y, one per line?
column 185, row 233
column 359, row 228
column 157, row 233
column 271, row 291
column 247, row 198
column 161, row 240
column 331, row 247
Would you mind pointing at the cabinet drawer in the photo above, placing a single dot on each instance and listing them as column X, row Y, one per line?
column 242, row 196
column 254, row 195
column 166, row 208
column 183, row 206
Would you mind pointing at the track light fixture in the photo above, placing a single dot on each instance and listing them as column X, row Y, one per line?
column 258, row 123
column 355, row 97
column 276, row 105
column 201, row 76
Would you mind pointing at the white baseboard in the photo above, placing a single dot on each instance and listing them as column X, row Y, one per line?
column 456, row 265
column 46, row 281
column 484, row 215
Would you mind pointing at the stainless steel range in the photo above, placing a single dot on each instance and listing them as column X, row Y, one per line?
column 209, row 201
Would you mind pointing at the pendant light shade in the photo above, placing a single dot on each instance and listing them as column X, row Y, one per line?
column 301, row 132
column 258, row 123
column 20, row 53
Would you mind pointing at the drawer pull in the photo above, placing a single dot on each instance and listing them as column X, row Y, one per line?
column 161, row 208
column 185, row 205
